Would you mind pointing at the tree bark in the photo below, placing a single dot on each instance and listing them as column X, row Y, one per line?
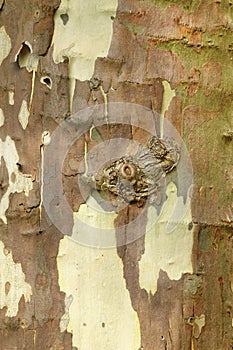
column 162, row 290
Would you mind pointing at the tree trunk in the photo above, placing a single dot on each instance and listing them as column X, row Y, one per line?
column 82, row 268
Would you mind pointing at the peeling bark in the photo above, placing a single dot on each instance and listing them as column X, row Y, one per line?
column 175, row 58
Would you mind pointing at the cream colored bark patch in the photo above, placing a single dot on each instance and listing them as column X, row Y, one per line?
column 168, row 95
column 5, row 44
column 11, row 97
column 46, row 137
column 83, row 31
column 2, row 118
column 98, row 307
column 23, row 114
column 99, row 223
column 199, row 323
column 12, row 283
column 170, row 252
column 65, row 319
column 18, row 182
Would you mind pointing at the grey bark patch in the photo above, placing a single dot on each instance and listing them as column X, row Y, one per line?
column 64, row 18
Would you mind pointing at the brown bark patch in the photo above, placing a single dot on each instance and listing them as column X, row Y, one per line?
column 165, row 65
column 4, row 178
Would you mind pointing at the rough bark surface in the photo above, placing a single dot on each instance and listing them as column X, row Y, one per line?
column 185, row 43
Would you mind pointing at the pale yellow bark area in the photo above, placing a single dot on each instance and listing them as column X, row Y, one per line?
column 164, row 250
column 99, row 311
column 5, row 44
column 18, row 182
column 85, row 36
column 12, row 283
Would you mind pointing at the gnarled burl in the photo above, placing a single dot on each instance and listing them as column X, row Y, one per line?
column 137, row 175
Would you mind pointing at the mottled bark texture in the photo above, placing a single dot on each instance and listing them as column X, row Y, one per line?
column 187, row 43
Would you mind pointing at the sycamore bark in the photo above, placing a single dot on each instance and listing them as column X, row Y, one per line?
column 174, row 57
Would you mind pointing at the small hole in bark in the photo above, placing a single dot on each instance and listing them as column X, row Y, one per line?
column 191, row 319
column 47, row 81
column 64, row 18
column 37, row 14
column 162, row 337
column 23, row 323
column 20, row 167
column 84, row 324
column 112, row 18
column 103, row 324
column 190, row 226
